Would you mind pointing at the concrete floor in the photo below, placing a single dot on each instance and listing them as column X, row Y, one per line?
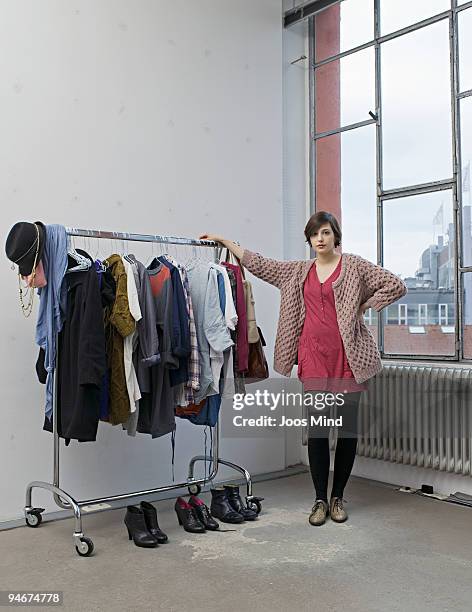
column 396, row 552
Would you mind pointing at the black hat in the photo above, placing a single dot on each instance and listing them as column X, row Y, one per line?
column 21, row 245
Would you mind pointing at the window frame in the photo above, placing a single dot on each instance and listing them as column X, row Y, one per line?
column 453, row 183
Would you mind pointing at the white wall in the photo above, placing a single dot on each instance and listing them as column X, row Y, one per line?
column 140, row 116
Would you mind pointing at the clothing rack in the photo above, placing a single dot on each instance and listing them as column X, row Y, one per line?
column 84, row 545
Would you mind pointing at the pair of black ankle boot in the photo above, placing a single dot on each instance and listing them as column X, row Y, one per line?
column 143, row 527
column 227, row 505
column 194, row 515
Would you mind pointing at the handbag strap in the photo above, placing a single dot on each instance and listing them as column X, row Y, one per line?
column 263, row 342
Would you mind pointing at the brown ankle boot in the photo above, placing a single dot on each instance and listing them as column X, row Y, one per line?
column 336, row 510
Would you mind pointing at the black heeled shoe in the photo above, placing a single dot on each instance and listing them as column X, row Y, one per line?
column 203, row 513
column 137, row 528
column 150, row 516
column 236, row 503
column 187, row 517
column 222, row 509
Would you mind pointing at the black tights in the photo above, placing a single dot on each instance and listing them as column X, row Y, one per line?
column 318, row 447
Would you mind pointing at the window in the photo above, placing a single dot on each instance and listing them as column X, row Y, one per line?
column 443, row 320
column 465, row 49
column 335, row 31
column 416, row 107
column 402, row 314
column 422, row 314
column 387, row 172
column 418, row 243
column 349, row 84
column 467, row 307
column 466, row 156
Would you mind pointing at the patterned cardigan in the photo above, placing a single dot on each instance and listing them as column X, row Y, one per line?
column 359, row 281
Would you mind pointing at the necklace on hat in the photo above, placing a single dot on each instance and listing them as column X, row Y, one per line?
column 27, row 292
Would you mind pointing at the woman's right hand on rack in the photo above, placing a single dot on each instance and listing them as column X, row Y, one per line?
column 232, row 246
column 213, row 237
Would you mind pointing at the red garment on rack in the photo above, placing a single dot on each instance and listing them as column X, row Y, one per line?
column 241, row 328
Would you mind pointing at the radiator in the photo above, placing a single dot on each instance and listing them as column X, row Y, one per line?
column 418, row 415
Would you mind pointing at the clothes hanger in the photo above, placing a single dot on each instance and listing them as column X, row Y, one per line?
column 193, row 259
column 83, row 263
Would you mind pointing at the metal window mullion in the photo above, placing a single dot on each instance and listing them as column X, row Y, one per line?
column 342, row 54
column 428, row 358
column 414, row 190
column 344, row 128
column 414, row 27
column 312, row 102
column 457, row 173
column 378, row 158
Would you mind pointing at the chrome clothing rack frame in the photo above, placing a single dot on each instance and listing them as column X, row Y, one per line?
column 84, row 545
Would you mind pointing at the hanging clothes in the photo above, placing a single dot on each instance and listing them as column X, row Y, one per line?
column 181, row 327
column 185, row 395
column 129, row 343
column 82, row 359
column 52, row 305
column 242, row 339
column 238, row 377
column 118, row 325
column 156, row 408
column 107, row 286
column 146, row 350
column 209, row 321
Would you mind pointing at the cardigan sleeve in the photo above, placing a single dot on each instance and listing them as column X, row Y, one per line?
column 382, row 286
column 271, row 271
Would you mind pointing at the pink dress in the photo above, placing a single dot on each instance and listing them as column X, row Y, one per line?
column 322, row 362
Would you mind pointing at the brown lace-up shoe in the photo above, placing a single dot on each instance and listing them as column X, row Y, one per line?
column 319, row 512
column 336, row 510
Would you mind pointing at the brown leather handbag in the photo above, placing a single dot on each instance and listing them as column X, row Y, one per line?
column 257, row 363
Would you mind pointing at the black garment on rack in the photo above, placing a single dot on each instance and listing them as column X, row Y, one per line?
column 180, row 326
column 81, row 359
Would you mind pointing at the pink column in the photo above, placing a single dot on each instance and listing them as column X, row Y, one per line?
column 327, row 112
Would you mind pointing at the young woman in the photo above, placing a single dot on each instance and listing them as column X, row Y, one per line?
column 321, row 327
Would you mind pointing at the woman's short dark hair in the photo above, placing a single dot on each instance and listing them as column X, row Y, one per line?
column 317, row 220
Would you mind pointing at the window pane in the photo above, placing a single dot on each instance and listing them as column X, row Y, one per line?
column 467, row 306
column 465, row 49
column 416, row 107
column 397, row 14
column 345, row 91
column 345, row 181
column 342, row 27
column 419, row 247
column 466, row 155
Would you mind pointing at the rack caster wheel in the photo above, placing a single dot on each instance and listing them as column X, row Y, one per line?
column 255, row 504
column 194, row 489
column 34, row 518
column 85, row 548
